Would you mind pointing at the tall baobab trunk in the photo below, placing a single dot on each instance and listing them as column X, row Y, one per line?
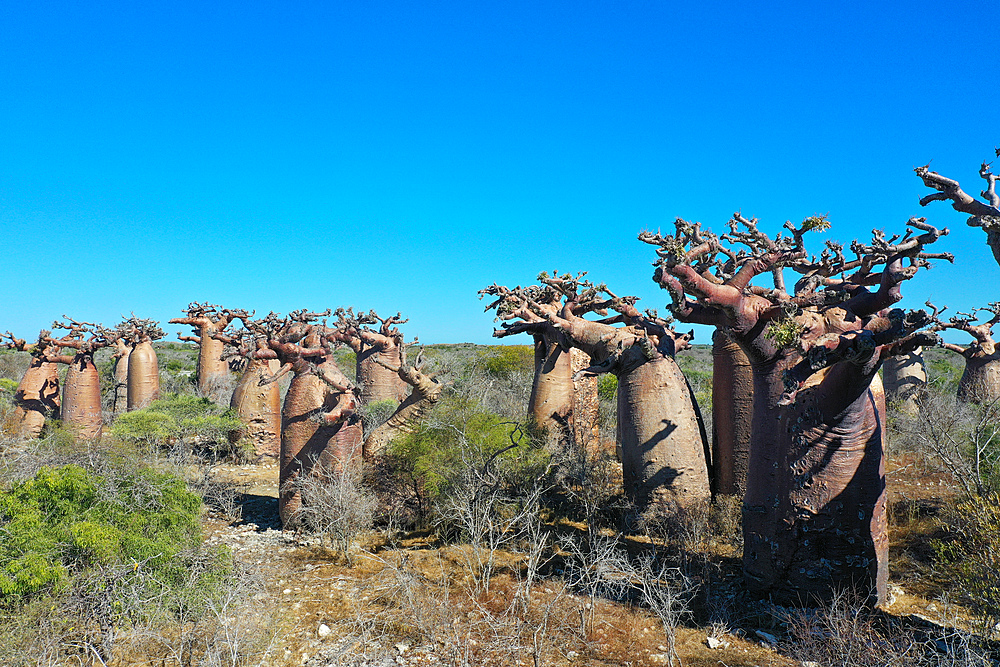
column 732, row 413
column 143, row 375
column 814, row 510
column 37, row 395
column 375, row 350
column 980, row 381
column 81, row 407
column 209, row 320
column 120, row 400
column 904, row 376
column 318, row 427
column 550, row 405
column 259, row 407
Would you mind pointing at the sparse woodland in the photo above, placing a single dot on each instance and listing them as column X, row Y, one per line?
column 317, row 488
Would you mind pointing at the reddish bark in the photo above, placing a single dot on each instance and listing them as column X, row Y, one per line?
column 207, row 320
column 81, row 404
column 425, row 393
column 555, row 400
column 732, row 413
column 37, row 395
column 985, row 214
column 904, row 377
column 257, row 403
column 662, row 438
column 143, row 368
column 376, row 350
column 814, row 509
column 980, row 382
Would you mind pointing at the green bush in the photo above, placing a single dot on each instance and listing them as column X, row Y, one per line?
column 971, row 555
column 183, row 418
column 462, row 435
column 503, row 360
column 607, row 387
column 67, row 519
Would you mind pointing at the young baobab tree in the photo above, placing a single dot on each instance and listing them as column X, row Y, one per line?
column 564, row 411
column 256, row 402
column 377, row 351
column 980, row 382
column 425, row 392
column 904, row 376
column 207, row 320
column 814, row 511
column 37, row 395
column 985, row 214
column 662, row 438
column 143, row 369
column 81, row 404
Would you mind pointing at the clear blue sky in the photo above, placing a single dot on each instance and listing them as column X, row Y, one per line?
column 401, row 156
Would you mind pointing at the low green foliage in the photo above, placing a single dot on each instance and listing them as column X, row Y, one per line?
column 183, row 418
column 607, row 387
column 463, row 435
column 503, row 360
column 67, row 519
column 972, row 555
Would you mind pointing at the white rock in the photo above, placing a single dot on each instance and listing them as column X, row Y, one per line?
column 716, row 643
column 402, row 648
column 324, row 630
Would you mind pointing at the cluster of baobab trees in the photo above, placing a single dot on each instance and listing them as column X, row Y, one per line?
column 319, row 423
column 798, row 406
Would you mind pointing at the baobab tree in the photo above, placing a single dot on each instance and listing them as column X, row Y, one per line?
column 207, row 320
column 904, row 377
column 81, row 403
column 662, row 439
column 564, row 411
column 256, row 401
column 814, row 511
column 980, row 382
column 37, row 395
column 425, row 392
column 732, row 413
column 119, row 399
column 376, row 350
column 984, row 214
column 143, row 368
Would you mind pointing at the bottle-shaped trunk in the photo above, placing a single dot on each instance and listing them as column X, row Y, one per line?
column 586, row 405
column 377, row 382
column 307, row 441
column 119, row 402
column 732, row 415
column 259, row 408
column 37, row 396
column 143, row 376
column 213, row 372
column 904, row 376
column 551, row 401
column 662, row 438
column 980, row 383
column 814, row 517
column 81, row 407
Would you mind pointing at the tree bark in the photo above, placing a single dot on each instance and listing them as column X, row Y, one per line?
column 143, row 376
column 732, row 415
column 81, row 409
column 903, row 377
column 551, row 402
column 259, row 407
column 120, row 400
column 37, row 396
column 377, row 382
column 663, row 453
column 980, row 382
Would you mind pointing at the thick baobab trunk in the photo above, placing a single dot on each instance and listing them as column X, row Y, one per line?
column 259, row 407
column 551, row 401
column 377, row 382
column 81, row 408
column 308, row 439
column 143, row 376
column 585, row 411
column 814, row 517
column 980, row 382
column 120, row 400
column 904, row 376
column 732, row 415
column 213, row 371
column 37, row 396
column 663, row 453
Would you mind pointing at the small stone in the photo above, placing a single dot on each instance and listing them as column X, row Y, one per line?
column 716, row 643
column 287, row 591
column 324, row 630
column 572, row 655
column 767, row 637
column 402, row 648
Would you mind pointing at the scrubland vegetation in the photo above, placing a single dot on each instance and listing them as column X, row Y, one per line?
column 474, row 540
